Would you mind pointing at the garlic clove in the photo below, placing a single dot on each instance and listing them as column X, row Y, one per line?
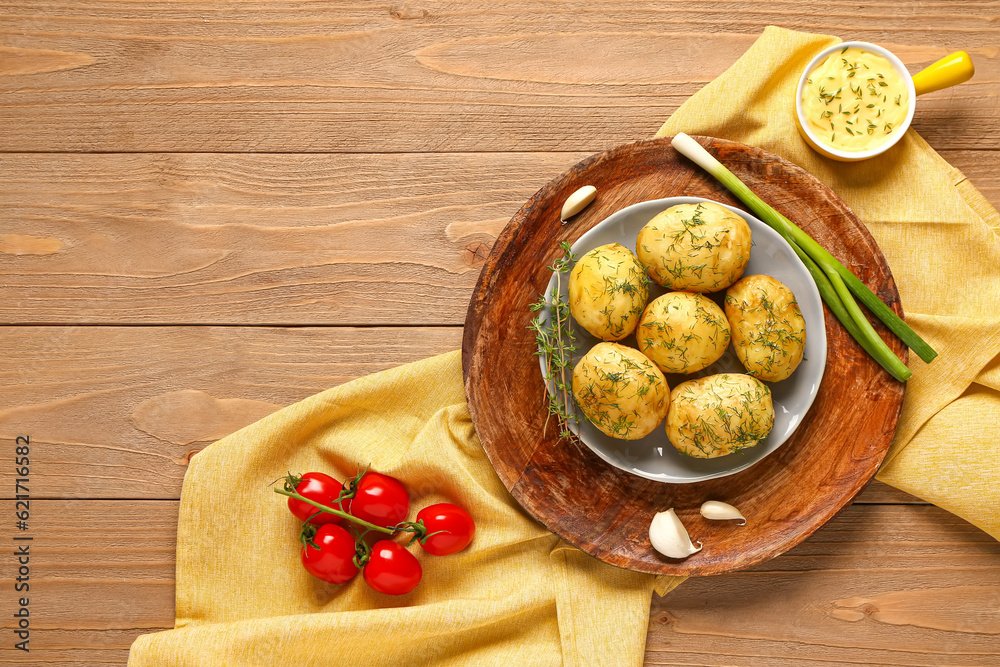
column 720, row 511
column 668, row 536
column 578, row 201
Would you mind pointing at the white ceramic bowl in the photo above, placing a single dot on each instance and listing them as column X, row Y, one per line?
column 854, row 156
column 653, row 457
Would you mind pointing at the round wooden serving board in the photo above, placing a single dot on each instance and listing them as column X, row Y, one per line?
column 606, row 511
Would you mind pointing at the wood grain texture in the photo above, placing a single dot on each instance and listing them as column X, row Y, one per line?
column 875, row 586
column 981, row 170
column 268, row 239
column 420, row 75
column 176, row 237
column 116, row 412
column 103, row 573
column 877, row 493
column 833, row 453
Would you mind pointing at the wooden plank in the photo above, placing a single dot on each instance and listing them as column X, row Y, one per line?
column 877, row 493
column 982, row 168
column 102, row 573
column 268, row 239
column 273, row 239
column 874, row 579
column 884, row 585
column 472, row 76
column 116, row 412
column 89, row 647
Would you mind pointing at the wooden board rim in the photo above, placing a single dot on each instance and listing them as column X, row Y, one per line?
column 501, row 259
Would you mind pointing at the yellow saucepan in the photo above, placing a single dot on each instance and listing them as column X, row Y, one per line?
column 855, row 100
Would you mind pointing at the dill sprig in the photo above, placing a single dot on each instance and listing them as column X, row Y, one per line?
column 556, row 344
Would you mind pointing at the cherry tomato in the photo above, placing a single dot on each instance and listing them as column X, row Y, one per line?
column 321, row 488
column 392, row 569
column 380, row 499
column 333, row 561
column 456, row 524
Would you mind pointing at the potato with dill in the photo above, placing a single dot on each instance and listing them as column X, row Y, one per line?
column 769, row 332
column 608, row 289
column 620, row 391
column 683, row 332
column 701, row 247
column 719, row 414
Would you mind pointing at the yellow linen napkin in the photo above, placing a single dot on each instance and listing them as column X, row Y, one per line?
column 938, row 234
column 519, row 595
column 516, row 596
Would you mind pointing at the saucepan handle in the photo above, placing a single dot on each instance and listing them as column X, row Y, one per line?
column 953, row 69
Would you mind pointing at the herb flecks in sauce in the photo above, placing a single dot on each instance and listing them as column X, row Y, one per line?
column 873, row 110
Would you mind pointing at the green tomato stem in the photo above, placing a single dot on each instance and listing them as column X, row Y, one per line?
column 362, row 553
column 340, row 513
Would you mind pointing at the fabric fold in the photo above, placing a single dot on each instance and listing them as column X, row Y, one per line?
column 517, row 595
column 939, row 236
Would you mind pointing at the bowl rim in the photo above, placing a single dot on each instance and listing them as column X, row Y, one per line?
column 853, row 156
column 820, row 360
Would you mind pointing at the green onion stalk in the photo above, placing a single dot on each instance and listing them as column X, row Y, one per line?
column 837, row 285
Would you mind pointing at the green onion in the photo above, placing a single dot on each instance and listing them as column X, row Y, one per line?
column 834, row 281
column 872, row 345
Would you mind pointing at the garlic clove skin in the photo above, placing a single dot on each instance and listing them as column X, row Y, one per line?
column 578, row 201
column 720, row 511
column 668, row 536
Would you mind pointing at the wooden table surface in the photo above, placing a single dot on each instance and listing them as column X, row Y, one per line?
column 209, row 210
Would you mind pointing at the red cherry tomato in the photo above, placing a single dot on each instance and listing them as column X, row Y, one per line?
column 392, row 569
column 456, row 524
column 321, row 488
column 333, row 561
column 380, row 499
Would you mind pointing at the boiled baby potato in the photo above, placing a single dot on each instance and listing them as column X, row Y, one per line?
column 719, row 414
column 683, row 332
column 608, row 289
column 700, row 247
column 769, row 332
column 620, row 391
